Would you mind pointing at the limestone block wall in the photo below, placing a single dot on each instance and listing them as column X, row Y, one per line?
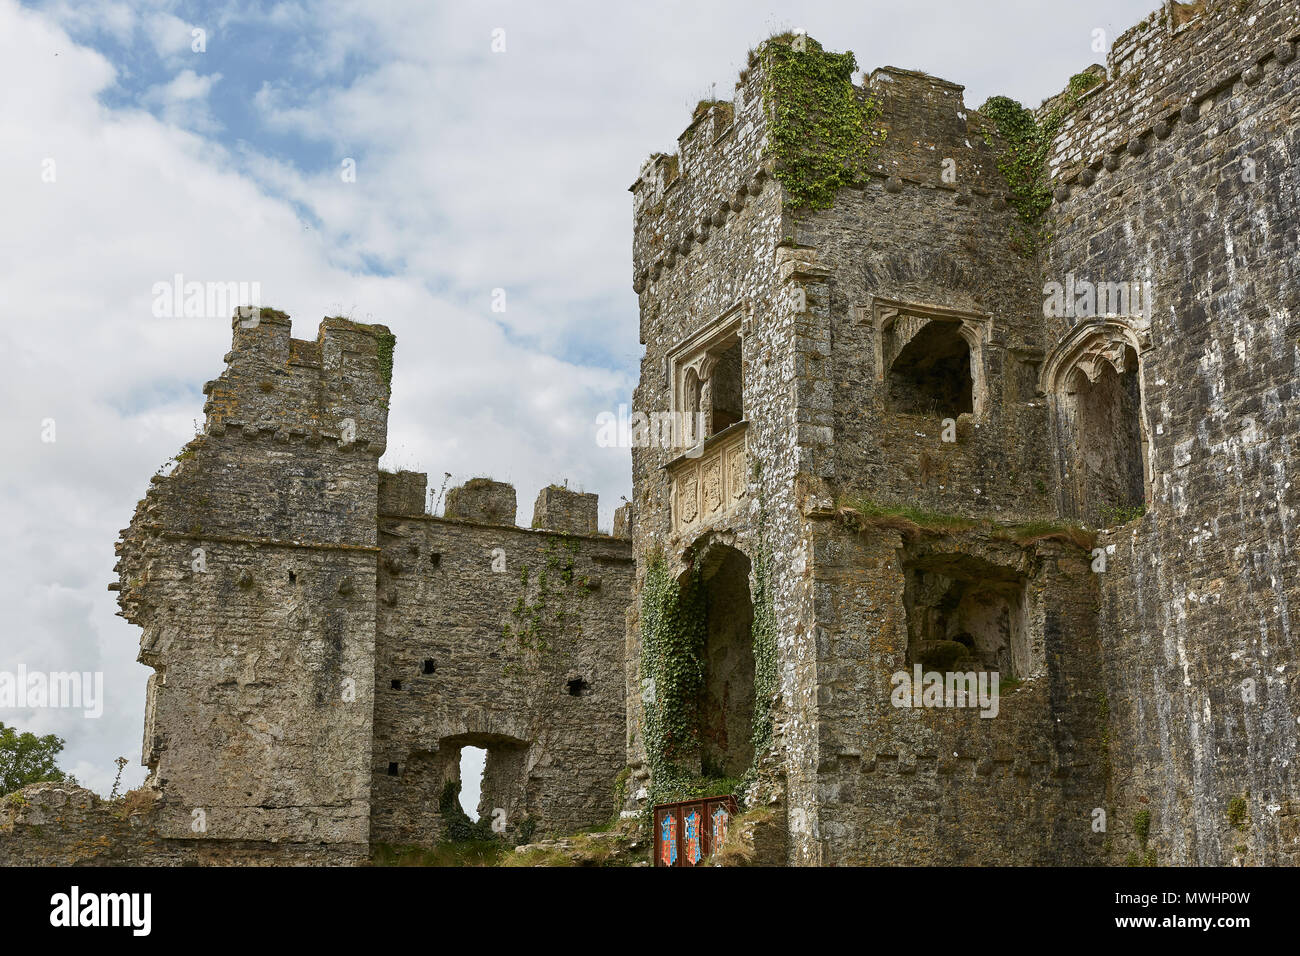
column 251, row 569
column 946, row 786
column 479, row 499
column 503, row 638
column 559, row 509
column 928, row 238
column 1182, row 171
column 61, row 824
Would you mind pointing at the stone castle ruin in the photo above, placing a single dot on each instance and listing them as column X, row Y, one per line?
column 980, row 394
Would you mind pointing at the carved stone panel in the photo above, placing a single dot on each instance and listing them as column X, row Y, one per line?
column 688, row 496
column 710, row 485
column 712, row 472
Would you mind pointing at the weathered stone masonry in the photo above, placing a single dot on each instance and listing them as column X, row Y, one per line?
column 1159, row 690
column 525, row 660
column 903, row 451
column 1184, row 171
column 323, row 648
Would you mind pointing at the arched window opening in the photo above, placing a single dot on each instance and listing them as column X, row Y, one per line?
column 932, row 373
column 692, row 399
column 473, row 761
column 1104, row 412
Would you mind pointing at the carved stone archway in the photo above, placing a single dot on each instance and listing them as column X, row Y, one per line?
column 896, row 323
column 1093, row 383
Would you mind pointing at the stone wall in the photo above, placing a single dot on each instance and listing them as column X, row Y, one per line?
column 1156, row 685
column 251, row 569
column 63, row 824
column 709, row 245
column 502, row 638
column 920, row 786
column 1181, row 171
column 909, row 249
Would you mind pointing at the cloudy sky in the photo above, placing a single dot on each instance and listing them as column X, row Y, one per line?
column 133, row 148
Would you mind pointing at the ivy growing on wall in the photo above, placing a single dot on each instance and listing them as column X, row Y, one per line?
column 763, row 631
column 822, row 127
column 674, row 634
column 673, row 630
column 385, row 345
column 1024, row 161
column 551, row 606
column 459, row 827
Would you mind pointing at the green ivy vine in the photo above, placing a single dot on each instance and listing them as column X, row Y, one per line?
column 674, row 629
column 385, row 345
column 822, row 127
column 1024, row 161
column 536, row 620
column 459, row 827
column 763, row 630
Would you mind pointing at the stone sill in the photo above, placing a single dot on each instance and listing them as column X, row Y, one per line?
column 698, row 451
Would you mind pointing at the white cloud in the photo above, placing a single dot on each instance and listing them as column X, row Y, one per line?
column 170, row 36
column 183, row 100
column 136, row 200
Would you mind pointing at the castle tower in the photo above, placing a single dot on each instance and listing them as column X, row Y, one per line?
column 889, row 453
column 252, row 569
column 324, row 648
column 1171, row 381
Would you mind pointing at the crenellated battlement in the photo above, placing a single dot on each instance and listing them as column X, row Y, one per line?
column 729, row 172
column 490, row 503
column 1163, row 75
column 679, row 199
column 334, row 388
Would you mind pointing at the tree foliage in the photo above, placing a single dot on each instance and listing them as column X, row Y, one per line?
column 26, row 758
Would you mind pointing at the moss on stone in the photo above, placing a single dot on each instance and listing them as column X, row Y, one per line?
column 1142, row 826
column 1238, row 813
column 864, row 513
column 385, row 345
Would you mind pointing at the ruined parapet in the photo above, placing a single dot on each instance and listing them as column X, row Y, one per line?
column 624, row 515
column 1164, row 74
column 559, row 509
column 507, row 639
column 251, row 570
column 482, row 501
column 403, row 493
column 62, row 824
column 929, row 125
column 335, row 388
column 718, row 172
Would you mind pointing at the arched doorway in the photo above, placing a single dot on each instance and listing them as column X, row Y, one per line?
column 727, row 701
